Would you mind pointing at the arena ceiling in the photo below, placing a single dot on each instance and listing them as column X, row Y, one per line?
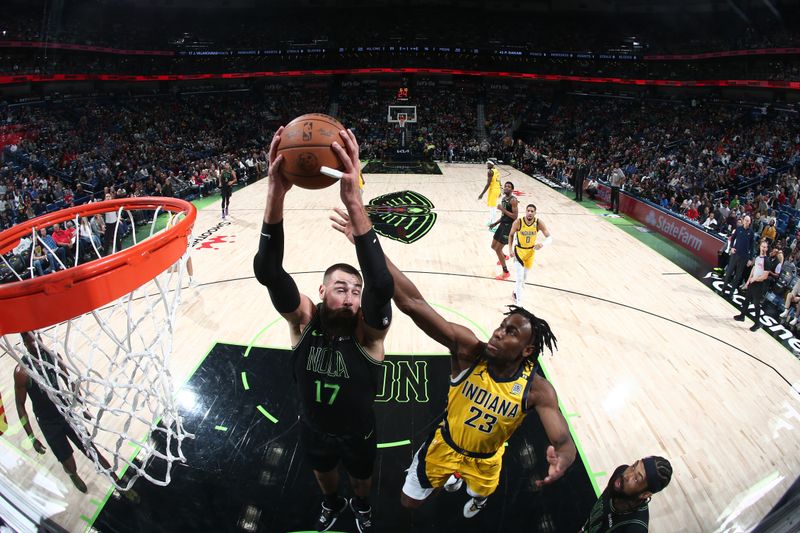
column 547, row 6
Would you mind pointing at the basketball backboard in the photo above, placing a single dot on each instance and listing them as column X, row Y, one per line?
column 395, row 111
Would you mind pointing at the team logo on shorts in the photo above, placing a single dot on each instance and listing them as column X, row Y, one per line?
column 516, row 389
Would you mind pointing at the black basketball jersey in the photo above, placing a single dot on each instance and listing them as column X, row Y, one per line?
column 226, row 176
column 505, row 219
column 43, row 407
column 603, row 518
column 337, row 381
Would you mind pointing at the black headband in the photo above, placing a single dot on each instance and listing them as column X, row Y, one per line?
column 654, row 481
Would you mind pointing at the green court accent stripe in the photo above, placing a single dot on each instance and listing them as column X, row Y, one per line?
column 137, row 449
column 570, row 415
column 220, row 428
column 12, row 429
column 244, row 381
column 599, row 474
column 94, row 501
column 266, row 413
column 24, row 456
column 575, row 439
column 86, row 519
column 200, row 362
column 100, row 507
column 263, row 330
column 393, row 444
column 468, row 319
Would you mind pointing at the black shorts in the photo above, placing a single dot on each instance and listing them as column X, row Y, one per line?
column 324, row 451
column 226, row 192
column 58, row 433
column 501, row 235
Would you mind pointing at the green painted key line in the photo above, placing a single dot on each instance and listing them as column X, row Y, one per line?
column 393, row 444
column 220, row 428
column 266, row 413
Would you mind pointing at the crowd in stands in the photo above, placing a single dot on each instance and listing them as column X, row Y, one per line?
column 72, row 154
column 685, row 156
column 690, row 159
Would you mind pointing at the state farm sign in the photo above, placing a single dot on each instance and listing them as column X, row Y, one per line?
column 702, row 244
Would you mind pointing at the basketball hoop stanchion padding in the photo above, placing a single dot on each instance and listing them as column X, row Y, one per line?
column 112, row 315
column 401, row 120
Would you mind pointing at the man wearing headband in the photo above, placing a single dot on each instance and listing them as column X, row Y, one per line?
column 493, row 186
column 623, row 506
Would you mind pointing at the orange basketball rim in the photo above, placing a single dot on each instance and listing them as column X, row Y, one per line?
column 46, row 300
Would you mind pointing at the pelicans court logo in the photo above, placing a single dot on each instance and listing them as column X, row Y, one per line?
column 404, row 216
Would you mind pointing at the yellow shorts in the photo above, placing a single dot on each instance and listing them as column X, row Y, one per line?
column 435, row 461
column 525, row 256
column 492, row 195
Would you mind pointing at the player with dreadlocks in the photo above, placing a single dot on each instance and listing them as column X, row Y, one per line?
column 493, row 385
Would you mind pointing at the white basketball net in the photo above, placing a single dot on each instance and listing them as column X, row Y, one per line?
column 401, row 119
column 113, row 385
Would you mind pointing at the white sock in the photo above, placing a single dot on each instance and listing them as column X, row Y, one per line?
column 519, row 273
column 492, row 215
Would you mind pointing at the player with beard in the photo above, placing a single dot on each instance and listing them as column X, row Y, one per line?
column 337, row 344
column 493, row 386
column 623, row 506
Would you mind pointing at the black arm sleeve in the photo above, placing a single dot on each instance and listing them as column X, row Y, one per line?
column 376, row 300
column 268, row 268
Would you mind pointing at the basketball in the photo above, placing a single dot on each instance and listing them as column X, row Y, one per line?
column 306, row 146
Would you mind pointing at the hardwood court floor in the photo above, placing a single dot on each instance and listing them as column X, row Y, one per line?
column 648, row 362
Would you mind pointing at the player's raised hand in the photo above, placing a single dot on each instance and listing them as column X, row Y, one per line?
column 558, row 466
column 278, row 184
column 348, row 155
column 341, row 223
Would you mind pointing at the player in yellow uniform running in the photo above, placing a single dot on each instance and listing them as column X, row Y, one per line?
column 493, row 386
column 493, row 186
column 525, row 230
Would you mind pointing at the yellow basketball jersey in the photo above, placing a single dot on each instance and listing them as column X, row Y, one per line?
column 526, row 235
column 495, row 183
column 482, row 411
